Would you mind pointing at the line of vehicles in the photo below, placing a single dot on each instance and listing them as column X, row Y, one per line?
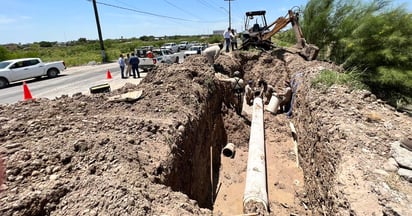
column 168, row 53
column 26, row 68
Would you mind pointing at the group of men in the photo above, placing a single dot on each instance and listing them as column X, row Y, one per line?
column 230, row 39
column 129, row 66
column 212, row 52
column 250, row 91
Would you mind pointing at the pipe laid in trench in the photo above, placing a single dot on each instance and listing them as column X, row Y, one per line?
column 255, row 189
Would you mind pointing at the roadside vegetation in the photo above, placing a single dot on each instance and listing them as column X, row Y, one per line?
column 327, row 78
column 83, row 51
column 371, row 40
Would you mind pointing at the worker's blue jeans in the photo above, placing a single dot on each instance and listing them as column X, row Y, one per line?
column 227, row 43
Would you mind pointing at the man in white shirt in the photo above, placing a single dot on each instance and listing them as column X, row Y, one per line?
column 227, row 35
column 212, row 53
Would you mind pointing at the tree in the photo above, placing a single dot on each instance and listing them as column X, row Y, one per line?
column 82, row 40
column 146, row 38
column 326, row 23
column 367, row 36
column 45, row 44
column 4, row 53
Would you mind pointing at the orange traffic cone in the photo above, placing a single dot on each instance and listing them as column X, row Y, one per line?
column 108, row 74
column 26, row 91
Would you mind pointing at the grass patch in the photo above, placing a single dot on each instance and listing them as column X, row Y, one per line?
column 327, row 78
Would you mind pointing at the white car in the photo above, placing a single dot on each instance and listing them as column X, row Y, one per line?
column 159, row 56
column 184, row 45
column 193, row 50
column 171, row 46
column 26, row 68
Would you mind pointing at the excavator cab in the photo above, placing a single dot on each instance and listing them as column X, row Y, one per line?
column 255, row 28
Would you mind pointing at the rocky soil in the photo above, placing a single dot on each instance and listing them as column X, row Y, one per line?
column 87, row 155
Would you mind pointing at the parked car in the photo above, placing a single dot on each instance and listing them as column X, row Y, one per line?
column 159, row 56
column 171, row 46
column 26, row 68
column 194, row 50
column 184, row 45
column 147, row 48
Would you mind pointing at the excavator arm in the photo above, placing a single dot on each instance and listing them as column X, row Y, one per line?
column 281, row 23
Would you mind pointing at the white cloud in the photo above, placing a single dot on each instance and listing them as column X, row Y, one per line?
column 7, row 20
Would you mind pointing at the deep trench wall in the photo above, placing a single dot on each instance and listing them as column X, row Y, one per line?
column 317, row 155
column 200, row 132
column 204, row 134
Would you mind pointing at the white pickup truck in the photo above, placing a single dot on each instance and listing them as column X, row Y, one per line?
column 26, row 68
column 159, row 56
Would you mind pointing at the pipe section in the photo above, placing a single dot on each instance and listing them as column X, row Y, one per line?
column 229, row 150
column 273, row 105
column 255, row 189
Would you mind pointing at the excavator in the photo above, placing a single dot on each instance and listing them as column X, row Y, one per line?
column 259, row 35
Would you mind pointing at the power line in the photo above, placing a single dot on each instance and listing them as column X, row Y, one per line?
column 208, row 4
column 173, row 5
column 154, row 14
column 144, row 12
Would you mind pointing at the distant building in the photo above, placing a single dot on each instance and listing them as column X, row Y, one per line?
column 218, row 32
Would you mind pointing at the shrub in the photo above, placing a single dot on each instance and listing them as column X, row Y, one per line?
column 327, row 78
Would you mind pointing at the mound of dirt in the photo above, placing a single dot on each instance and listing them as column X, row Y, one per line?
column 161, row 154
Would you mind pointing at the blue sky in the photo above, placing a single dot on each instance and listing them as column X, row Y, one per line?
column 26, row 21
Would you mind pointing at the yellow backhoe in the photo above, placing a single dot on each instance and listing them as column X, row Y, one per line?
column 258, row 34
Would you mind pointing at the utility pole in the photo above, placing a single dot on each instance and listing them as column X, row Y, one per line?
column 230, row 14
column 99, row 32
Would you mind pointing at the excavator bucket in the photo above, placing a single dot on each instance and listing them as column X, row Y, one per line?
column 309, row 52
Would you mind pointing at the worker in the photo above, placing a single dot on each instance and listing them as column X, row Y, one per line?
column 227, row 35
column 237, row 87
column 285, row 97
column 134, row 61
column 149, row 54
column 266, row 90
column 249, row 93
column 128, row 65
column 212, row 53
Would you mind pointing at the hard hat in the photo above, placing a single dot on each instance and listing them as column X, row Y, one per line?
column 236, row 74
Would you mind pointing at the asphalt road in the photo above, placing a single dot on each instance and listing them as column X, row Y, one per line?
column 70, row 81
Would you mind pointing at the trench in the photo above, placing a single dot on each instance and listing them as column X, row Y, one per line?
column 195, row 169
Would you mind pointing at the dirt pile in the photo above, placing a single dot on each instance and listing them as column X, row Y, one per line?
column 161, row 155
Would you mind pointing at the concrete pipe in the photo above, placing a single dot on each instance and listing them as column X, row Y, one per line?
column 229, row 150
column 273, row 105
column 255, row 188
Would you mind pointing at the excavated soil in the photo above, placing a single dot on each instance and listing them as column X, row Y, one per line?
column 161, row 154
